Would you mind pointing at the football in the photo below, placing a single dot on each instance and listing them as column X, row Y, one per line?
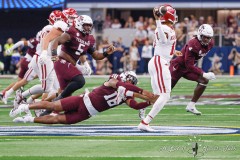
column 156, row 11
column 162, row 10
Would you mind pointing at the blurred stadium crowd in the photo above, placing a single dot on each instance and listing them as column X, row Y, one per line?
column 138, row 52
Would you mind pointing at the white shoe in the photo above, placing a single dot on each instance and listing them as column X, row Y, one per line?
column 38, row 112
column 145, row 128
column 4, row 98
column 18, row 97
column 193, row 110
column 120, row 94
column 18, row 110
column 23, row 119
column 141, row 113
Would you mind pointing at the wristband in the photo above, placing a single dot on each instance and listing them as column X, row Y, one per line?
column 105, row 54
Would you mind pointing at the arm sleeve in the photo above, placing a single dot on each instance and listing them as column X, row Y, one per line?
column 190, row 60
column 30, row 43
column 16, row 45
column 129, row 87
column 160, row 32
column 135, row 105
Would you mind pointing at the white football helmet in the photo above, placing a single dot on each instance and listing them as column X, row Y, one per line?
column 206, row 31
column 129, row 76
column 80, row 21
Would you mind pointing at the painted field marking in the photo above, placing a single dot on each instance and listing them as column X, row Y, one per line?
column 111, row 131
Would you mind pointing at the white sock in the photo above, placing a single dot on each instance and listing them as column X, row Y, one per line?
column 30, row 119
column 148, row 119
column 9, row 92
column 191, row 104
column 33, row 90
column 30, row 100
column 157, row 107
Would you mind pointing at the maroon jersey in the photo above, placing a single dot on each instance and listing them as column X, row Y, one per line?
column 192, row 52
column 32, row 50
column 79, row 43
column 103, row 97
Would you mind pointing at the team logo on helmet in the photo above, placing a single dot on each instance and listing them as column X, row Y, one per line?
column 80, row 21
column 129, row 76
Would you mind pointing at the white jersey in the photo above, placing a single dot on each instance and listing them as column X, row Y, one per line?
column 42, row 34
column 164, row 45
column 61, row 25
column 58, row 25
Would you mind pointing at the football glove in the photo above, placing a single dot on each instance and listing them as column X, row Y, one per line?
column 43, row 57
column 209, row 76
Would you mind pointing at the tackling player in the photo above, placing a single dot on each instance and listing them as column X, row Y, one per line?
column 80, row 108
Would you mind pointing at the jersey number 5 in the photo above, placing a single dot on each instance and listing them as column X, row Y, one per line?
column 80, row 49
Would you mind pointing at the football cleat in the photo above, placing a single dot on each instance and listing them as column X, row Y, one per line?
column 193, row 110
column 20, row 109
column 46, row 112
column 19, row 98
column 141, row 113
column 1, row 95
column 145, row 127
column 4, row 97
column 23, row 119
column 38, row 112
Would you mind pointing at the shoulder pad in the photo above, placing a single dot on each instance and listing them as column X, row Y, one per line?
column 61, row 25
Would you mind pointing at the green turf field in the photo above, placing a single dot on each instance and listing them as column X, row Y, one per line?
column 220, row 107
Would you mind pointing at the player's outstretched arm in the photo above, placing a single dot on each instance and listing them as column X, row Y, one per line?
column 137, row 105
column 16, row 45
column 151, row 99
column 130, row 87
column 98, row 56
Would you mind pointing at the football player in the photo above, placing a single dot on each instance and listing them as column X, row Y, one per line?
column 185, row 66
column 24, row 62
column 76, row 42
column 80, row 108
column 158, row 66
column 35, row 68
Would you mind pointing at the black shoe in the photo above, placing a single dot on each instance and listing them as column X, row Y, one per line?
column 57, row 98
column 46, row 112
column 1, row 96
